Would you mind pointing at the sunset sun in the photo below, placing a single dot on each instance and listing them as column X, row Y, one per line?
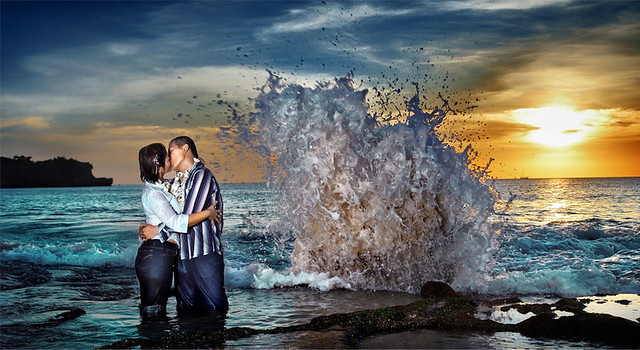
column 558, row 126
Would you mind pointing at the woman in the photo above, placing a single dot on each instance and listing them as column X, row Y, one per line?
column 156, row 257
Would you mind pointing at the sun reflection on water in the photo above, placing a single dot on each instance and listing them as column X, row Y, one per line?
column 556, row 207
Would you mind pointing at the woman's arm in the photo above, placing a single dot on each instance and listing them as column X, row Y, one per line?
column 147, row 231
column 164, row 211
column 156, row 203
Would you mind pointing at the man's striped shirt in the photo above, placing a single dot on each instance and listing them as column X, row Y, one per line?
column 201, row 190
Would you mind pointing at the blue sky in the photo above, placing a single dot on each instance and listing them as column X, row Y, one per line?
column 98, row 80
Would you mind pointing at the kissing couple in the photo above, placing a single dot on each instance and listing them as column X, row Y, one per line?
column 181, row 234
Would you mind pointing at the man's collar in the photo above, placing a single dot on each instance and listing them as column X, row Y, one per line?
column 196, row 161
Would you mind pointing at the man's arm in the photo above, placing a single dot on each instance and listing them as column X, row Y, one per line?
column 196, row 197
column 209, row 191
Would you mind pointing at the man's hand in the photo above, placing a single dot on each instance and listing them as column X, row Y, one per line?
column 216, row 214
column 147, row 231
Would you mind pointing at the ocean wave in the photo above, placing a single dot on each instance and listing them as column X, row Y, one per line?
column 580, row 258
column 84, row 253
column 565, row 282
column 257, row 276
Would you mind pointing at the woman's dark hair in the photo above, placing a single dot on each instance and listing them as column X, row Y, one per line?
column 186, row 140
column 151, row 158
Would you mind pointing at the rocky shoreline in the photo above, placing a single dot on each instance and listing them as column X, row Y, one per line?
column 440, row 308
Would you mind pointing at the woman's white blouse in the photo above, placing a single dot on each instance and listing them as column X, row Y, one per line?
column 161, row 207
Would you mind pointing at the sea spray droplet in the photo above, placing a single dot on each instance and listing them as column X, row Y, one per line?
column 381, row 206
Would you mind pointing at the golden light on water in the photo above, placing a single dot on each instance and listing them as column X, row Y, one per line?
column 559, row 126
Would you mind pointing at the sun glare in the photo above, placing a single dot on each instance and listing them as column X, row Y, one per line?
column 558, row 126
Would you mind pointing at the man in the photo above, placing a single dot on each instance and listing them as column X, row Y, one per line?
column 199, row 276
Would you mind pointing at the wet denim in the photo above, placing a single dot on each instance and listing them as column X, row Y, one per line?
column 200, row 284
column 154, row 267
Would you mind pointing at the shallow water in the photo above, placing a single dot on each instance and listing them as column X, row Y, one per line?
column 432, row 339
column 51, row 264
column 109, row 296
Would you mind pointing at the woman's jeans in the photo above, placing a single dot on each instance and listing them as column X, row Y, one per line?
column 154, row 268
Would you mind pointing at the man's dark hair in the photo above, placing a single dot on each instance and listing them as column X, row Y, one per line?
column 186, row 140
column 151, row 157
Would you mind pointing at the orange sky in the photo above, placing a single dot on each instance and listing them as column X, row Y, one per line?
column 596, row 144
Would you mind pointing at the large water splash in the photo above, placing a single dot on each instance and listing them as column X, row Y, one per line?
column 379, row 205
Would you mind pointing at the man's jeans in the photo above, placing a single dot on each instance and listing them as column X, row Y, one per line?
column 200, row 285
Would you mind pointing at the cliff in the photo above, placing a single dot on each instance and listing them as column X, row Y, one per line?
column 58, row 172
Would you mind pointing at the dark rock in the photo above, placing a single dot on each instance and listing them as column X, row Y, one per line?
column 186, row 340
column 70, row 314
column 612, row 330
column 501, row 301
column 58, row 172
column 443, row 312
column 434, row 289
column 571, row 305
column 19, row 274
column 526, row 308
column 67, row 315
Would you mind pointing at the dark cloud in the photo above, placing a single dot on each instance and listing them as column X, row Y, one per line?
column 622, row 123
column 517, row 39
column 499, row 129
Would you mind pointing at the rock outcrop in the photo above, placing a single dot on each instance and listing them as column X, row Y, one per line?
column 21, row 171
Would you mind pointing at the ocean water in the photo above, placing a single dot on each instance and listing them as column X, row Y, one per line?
column 357, row 213
column 569, row 237
column 68, row 248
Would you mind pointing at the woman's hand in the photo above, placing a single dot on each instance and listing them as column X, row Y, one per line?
column 216, row 214
column 147, row 231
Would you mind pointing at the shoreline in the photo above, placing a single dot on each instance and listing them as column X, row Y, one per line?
column 440, row 309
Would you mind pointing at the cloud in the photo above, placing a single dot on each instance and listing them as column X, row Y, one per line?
column 500, row 129
column 586, row 75
column 624, row 123
column 90, row 101
column 98, row 94
column 586, row 55
column 235, row 81
column 327, row 16
column 120, row 49
column 35, row 123
column 496, row 5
